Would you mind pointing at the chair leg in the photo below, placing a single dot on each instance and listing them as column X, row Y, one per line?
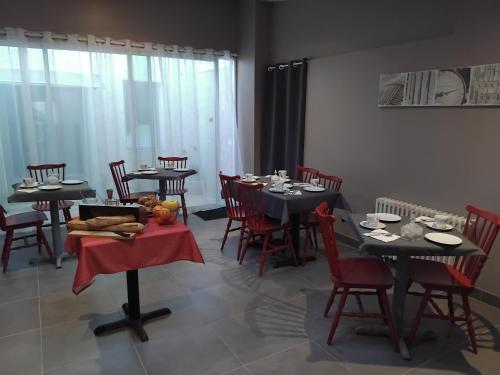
column 38, row 241
column 315, row 235
column 263, row 254
column 242, row 237
column 451, row 309
column 338, row 313
column 67, row 214
column 226, row 233
column 44, row 240
column 184, row 209
column 291, row 248
column 307, row 239
column 468, row 319
column 9, row 235
column 245, row 247
column 418, row 316
column 330, row 301
column 386, row 311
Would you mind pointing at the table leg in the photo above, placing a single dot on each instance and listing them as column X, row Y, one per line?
column 132, row 309
column 163, row 193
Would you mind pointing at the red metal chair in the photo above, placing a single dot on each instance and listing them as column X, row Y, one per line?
column 39, row 173
column 24, row 220
column 233, row 209
column 118, row 172
column 481, row 227
column 354, row 273
column 304, row 174
column 176, row 187
column 259, row 224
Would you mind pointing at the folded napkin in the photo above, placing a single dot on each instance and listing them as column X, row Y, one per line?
column 297, row 192
column 423, row 219
column 382, row 235
column 27, row 190
column 264, row 183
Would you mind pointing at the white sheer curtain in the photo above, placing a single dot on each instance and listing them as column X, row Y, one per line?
column 87, row 104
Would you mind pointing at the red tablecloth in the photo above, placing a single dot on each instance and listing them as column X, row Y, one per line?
column 158, row 244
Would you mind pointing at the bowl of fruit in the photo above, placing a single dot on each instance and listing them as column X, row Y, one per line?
column 166, row 212
column 149, row 202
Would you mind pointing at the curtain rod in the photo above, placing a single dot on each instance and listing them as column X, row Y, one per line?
column 121, row 43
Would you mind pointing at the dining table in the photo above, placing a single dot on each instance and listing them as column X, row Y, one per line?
column 402, row 249
column 162, row 175
column 156, row 245
column 76, row 191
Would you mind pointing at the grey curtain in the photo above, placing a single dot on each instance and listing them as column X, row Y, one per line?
column 282, row 133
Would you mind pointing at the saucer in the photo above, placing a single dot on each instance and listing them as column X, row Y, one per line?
column 367, row 225
column 149, row 172
column 388, row 218
column 72, row 182
column 443, row 239
column 446, row 228
column 23, row 186
column 274, row 190
column 248, row 181
column 50, row 187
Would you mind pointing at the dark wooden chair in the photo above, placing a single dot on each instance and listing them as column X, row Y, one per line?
column 250, row 196
column 176, row 187
column 9, row 224
column 304, row 174
column 481, row 227
column 40, row 173
column 233, row 208
column 118, row 172
column 366, row 275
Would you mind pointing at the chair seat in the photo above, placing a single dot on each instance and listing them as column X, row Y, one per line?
column 134, row 197
column 25, row 219
column 45, row 205
column 437, row 275
column 257, row 225
column 364, row 272
column 235, row 213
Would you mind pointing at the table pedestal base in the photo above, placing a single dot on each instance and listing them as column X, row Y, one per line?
column 134, row 319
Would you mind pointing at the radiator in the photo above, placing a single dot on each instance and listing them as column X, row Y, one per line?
column 401, row 208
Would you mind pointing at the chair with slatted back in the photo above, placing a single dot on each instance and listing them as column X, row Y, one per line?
column 233, row 209
column 330, row 182
column 9, row 224
column 304, row 174
column 354, row 276
column 176, row 186
column 118, row 172
column 251, row 198
column 40, row 173
column 481, row 227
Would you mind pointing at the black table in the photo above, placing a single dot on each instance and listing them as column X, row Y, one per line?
column 67, row 192
column 162, row 175
column 403, row 249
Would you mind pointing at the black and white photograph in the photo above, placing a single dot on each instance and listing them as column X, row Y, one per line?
column 392, row 87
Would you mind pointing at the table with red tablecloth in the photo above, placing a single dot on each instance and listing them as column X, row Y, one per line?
column 157, row 245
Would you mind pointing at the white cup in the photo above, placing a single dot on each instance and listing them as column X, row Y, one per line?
column 143, row 166
column 372, row 219
column 279, row 185
column 28, row 181
column 282, row 173
column 440, row 221
column 248, row 176
column 314, row 181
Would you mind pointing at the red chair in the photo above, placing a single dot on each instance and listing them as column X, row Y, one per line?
column 118, row 172
column 25, row 220
column 260, row 225
column 233, row 209
column 39, row 173
column 481, row 227
column 176, row 187
column 354, row 273
column 304, row 174
column 330, row 182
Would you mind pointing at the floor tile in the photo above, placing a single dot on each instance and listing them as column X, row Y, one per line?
column 19, row 316
column 16, row 288
column 21, row 354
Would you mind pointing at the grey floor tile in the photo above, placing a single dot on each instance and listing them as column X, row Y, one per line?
column 124, row 362
column 238, row 371
column 52, row 280
column 307, row 358
column 190, row 351
column 19, row 316
column 67, row 343
column 21, row 354
column 16, row 288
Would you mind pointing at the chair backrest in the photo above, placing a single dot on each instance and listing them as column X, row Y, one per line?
column 41, row 171
column 326, row 220
column 118, row 171
column 179, row 161
column 251, row 199
column 3, row 222
column 330, row 182
column 229, row 192
column 481, row 227
column 304, row 174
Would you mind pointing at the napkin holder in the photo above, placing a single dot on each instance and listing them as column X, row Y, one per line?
column 89, row 211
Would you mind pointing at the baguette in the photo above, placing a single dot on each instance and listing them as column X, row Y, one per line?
column 104, row 221
column 123, row 227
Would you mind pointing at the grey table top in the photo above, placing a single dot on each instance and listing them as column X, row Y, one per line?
column 163, row 174
column 420, row 247
column 67, row 192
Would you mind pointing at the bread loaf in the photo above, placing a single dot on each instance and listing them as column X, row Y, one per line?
column 104, row 221
column 123, row 227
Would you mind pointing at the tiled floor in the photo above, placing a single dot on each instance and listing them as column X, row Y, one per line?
column 225, row 320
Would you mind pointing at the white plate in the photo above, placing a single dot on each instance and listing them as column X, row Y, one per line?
column 147, row 169
column 23, row 186
column 149, row 172
column 181, row 169
column 367, row 225
column 285, row 179
column 72, row 182
column 274, row 190
column 288, row 186
column 50, row 187
column 315, row 189
column 446, row 228
column 388, row 218
column 443, row 239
